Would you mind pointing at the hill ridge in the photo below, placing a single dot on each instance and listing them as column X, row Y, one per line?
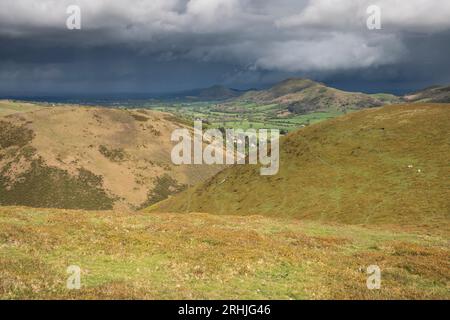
column 90, row 158
column 370, row 166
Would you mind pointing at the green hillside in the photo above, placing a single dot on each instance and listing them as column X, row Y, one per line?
column 302, row 96
column 381, row 165
column 287, row 106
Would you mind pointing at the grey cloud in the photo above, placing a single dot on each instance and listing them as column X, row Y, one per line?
column 124, row 43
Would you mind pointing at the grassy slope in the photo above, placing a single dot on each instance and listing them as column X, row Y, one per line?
column 352, row 169
column 90, row 158
column 209, row 256
column 440, row 94
column 303, row 95
column 10, row 107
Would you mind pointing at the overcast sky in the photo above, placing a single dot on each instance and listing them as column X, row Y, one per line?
column 158, row 46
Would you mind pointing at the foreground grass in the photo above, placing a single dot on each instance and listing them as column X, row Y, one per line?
column 202, row 256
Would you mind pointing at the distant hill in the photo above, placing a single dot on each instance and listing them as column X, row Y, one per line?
column 304, row 96
column 296, row 95
column 213, row 93
column 435, row 94
column 380, row 165
column 90, row 158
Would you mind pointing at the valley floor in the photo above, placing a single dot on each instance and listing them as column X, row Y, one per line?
column 202, row 256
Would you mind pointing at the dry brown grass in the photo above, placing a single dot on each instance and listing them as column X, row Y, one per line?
column 8, row 107
column 128, row 149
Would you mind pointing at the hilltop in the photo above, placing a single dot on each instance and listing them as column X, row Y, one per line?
column 215, row 92
column 435, row 94
column 301, row 96
column 90, row 158
column 297, row 95
column 286, row 106
column 380, row 165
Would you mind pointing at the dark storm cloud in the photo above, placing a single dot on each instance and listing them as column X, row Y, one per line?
column 167, row 45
